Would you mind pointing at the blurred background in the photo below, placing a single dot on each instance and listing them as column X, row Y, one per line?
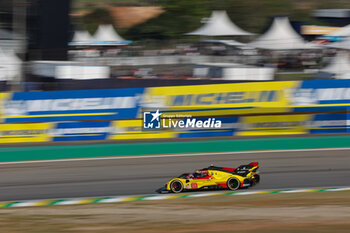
column 90, row 46
column 68, row 44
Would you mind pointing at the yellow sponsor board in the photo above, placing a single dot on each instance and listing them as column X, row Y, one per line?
column 14, row 133
column 274, row 125
column 318, row 30
column 3, row 97
column 132, row 129
column 221, row 99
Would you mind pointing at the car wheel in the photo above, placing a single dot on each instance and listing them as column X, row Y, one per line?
column 233, row 183
column 176, row 186
column 256, row 179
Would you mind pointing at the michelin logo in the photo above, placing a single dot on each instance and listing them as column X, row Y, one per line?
column 23, row 107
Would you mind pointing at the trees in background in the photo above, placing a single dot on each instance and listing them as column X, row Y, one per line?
column 96, row 17
column 179, row 17
column 182, row 16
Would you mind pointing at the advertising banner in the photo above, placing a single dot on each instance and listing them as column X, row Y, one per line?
column 321, row 93
column 273, row 125
column 136, row 113
column 72, row 105
column 3, row 98
column 133, row 129
column 255, row 97
column 15, row 133
column 228, row 127
column 330, row 123
column 81, row 131
column 221, row 99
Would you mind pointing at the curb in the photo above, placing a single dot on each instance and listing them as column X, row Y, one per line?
column 118, row 199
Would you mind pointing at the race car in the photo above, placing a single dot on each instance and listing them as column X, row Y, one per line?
column 214, row 177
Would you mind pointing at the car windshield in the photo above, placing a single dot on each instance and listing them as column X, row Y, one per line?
column 199, row 174
column 184, row 176
column 193, row 175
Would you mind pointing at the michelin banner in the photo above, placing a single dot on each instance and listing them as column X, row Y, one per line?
column 71, row 105
column 197, row 100
column 221, row 99
column 320, row 105
column 241, row 98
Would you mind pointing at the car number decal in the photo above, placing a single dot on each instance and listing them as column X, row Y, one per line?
column 194, row 185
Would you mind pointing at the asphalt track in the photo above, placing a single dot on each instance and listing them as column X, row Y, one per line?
column 132, row 176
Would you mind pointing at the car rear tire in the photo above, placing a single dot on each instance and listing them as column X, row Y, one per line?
column 176, row 186
column 256, row 179
column 233, row 183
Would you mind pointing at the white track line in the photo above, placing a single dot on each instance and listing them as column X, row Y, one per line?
column 119, row 199
column 173, row 155
column 341, row 189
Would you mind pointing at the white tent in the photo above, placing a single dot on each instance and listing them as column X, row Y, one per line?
column 344, row 31
column 226, row 42
column 107, row 33
column 10, row 66
column 281, row 36
column 82, row 36
column 339, row 66
column 219, row 24
column 340, row 45
column 11, row 42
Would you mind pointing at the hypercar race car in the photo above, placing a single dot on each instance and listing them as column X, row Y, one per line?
column 214, row 177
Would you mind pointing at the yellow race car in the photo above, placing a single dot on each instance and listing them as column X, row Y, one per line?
column 214, row 177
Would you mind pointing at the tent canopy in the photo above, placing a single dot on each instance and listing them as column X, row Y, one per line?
column 281, row 36
column 219, row 24
column 344, row 31
column 340, row 66
column 10, row 65
column 340, row 45
column 105, row 35
column 227, row 42
column 82, row 36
